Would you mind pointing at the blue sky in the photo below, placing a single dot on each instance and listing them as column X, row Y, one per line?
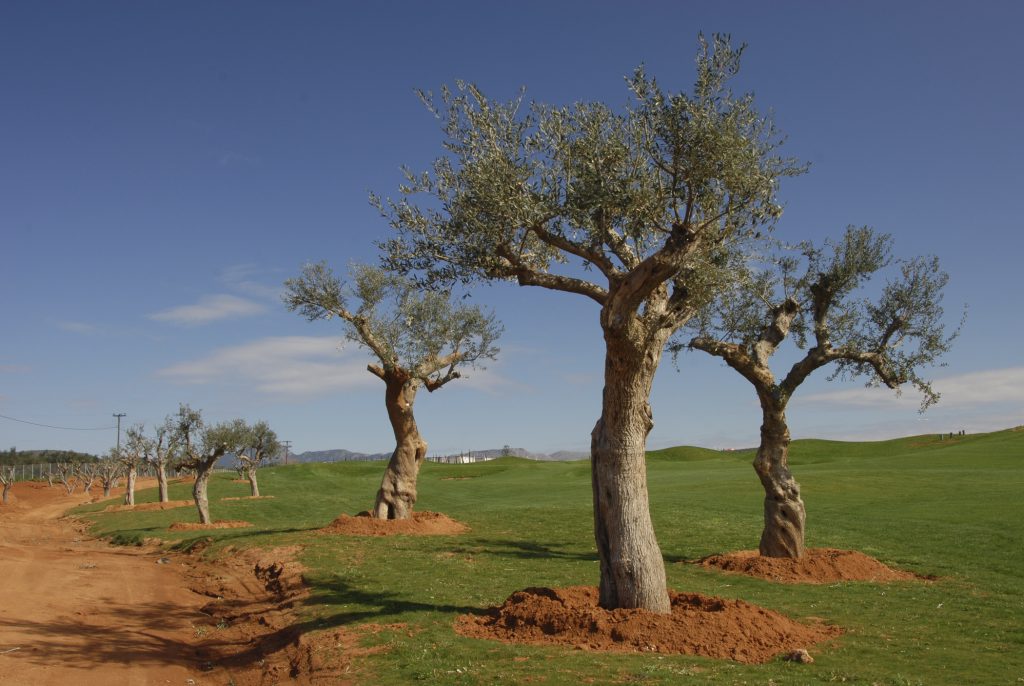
column 164, row 166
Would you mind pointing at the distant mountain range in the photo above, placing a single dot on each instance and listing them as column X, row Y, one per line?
column 342, row 455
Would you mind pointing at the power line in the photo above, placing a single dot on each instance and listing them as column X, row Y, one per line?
column 62, row 428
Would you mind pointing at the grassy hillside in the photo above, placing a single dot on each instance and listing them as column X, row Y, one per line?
column 952, row 508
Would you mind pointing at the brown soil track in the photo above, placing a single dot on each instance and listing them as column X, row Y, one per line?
column 79, row 611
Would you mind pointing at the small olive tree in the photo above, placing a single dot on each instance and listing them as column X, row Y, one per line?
column 260, row 446
column 137, row 447
column 420, row 338
column 200, row 448
column 86, row 473
column 7, row 478
column 109, row 470
column 66, row 475
column 822, row 308
column 635, row 211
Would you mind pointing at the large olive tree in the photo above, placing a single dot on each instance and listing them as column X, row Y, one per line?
column 821, row 306
column 633, row 210
column 419, row 337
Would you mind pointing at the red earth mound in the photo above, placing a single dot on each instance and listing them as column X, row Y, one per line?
column 421, row 524
column 698, row 625
column 192, row 526
column 817, row 566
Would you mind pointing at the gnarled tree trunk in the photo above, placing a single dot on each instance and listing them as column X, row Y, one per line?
column 253, row 486
column 784, row 513
column 7, row 489
column 199, row 494
column 129, row 492
column 397, row 493
column 632, row 569
column 161, row 480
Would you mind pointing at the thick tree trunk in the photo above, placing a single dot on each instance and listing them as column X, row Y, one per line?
column 7, row 489
column 199, row 494
column 129, row 492
column 253, row 486
column 161, row 480
column 784, row 513
column 632, row 569
column 107, row 488
column 397, row 493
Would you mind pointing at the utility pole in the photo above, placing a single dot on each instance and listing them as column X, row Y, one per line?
column 119, row 415
column 287, row 445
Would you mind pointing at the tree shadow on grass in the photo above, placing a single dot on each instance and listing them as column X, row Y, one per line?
column 523, row 550
column 369, row 606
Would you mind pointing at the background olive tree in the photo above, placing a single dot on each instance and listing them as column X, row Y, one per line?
column 259, row 447
column 635, row 211
column 136, row 448
column 419, row 338
column 7, row 478
column 200, row 446
column 819, row 302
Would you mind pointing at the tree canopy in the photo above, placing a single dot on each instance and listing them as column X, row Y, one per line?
column 419, row 331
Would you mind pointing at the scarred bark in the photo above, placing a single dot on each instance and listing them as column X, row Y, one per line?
column 253, row 486
column 161, row 480
column 397, row 494
column 129, row 494
column 784, row 513
column 199, row 494
column 632, row 569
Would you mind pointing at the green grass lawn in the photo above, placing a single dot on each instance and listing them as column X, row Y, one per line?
column 952, row 508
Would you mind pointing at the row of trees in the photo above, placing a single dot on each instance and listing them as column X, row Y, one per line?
column 659, row 215
column 184, row 442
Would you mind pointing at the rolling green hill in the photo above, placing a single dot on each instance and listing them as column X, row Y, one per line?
column 952, row 508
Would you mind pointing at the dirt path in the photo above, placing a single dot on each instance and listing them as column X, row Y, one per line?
column 74, row 610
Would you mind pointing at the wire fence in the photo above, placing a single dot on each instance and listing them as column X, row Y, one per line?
column 48, row 471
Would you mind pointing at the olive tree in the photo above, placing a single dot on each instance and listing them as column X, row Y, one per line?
column 823, row 309
column 137, row 447
column 635, row 211
column 7, row 478
column 108, row 471
column 260, row 445
column 161, row 451
column 419, row 338
column 200, row 446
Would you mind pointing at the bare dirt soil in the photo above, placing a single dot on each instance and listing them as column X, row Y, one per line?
column 697, row 625
column 421, row 524
column 78, row 611
column 816, row 566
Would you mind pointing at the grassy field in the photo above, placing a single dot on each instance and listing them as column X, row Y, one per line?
column 952, row 508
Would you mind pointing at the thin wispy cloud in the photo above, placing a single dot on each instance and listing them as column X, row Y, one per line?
column 251, row 279
column 994, row 386
column 77, row 327
column 295, row 366
column 14, row 369
column 210, row 308
column 230, row 158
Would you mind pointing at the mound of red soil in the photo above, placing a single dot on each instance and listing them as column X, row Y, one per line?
column 145, row 507
column 697, row 625
column 817, row 566
column 421, row 524
column 192, row 526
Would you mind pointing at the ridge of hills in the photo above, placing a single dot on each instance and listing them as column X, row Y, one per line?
column 342, row 455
